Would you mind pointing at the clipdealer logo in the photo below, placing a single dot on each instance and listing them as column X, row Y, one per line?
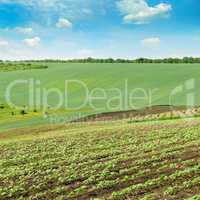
column 111, row 98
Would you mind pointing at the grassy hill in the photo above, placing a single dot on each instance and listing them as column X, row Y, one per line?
column 154, row 160
column 160, row 79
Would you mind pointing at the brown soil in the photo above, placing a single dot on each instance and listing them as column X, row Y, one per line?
column 110, row 116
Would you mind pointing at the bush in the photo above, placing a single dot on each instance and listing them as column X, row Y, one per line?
column 2, row 107
column 23, row 112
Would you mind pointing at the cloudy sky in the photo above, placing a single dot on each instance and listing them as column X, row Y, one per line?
column 31, row 29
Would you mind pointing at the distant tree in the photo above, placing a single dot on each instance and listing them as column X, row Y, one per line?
column 23, row 112
column 101, row 60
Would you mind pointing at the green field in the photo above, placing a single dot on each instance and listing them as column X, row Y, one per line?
column 149, row 157
column 116, row 160
column 99, row 100
column 160, row 78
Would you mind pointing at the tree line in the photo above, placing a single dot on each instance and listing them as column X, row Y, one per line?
column 111, row 60
column 14, row 66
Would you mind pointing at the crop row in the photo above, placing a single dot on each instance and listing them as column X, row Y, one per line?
column 96, row 163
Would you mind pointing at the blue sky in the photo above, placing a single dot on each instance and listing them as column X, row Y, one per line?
column 31, row 29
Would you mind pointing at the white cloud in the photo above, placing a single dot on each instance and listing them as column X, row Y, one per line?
column 151, row 42
column 85, row 53
column 32, row 3
column 24, row 30
column 47, row 10
column 138, row 11
column 87, row 11
column 63, row 23
column 32, row 42
column 4, row 43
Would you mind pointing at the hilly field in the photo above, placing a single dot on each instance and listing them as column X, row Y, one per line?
column 113, row 160
column 152, row 84
column 99, row 100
